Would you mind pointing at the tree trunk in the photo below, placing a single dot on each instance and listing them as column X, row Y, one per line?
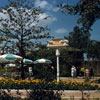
column 22, row 71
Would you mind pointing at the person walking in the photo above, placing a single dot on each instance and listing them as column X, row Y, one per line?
column 75, row 74
column 91, row 73
column 73, row 71
column 78, row 72
column 83, row 71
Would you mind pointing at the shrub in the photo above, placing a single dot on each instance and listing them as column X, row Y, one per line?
column 41, row 94
column 53, row 85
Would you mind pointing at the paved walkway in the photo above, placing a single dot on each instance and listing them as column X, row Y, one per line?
column 78, row 79
column 65, row 94
column 78, row 94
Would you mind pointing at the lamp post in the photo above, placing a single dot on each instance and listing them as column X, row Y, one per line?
column 57, row 44
column 58, row 54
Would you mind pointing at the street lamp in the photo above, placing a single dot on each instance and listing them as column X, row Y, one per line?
column 57, row 44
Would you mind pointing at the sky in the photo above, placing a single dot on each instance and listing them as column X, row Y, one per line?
column 59, row 24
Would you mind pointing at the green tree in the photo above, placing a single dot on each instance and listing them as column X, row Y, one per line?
column 43, row 71
column 79, row 38
column 88, row 10
column 3, row 44
column 20, row 25
column 93, row 50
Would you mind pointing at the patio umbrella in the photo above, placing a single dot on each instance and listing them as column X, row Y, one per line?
column 27, row 61
column 41, row 61
column 9, row 58
column 10, row 65
column 11, row 69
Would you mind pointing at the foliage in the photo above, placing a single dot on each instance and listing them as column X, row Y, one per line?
column 41, row 94
column 79, row 38
column 44, row 71
column 88, row 10
column 2, row 70
column 93, row 50
column 53, row 85
column 20, row 25
column 97, row 81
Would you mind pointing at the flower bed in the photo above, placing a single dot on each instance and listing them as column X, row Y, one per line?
column 97, row 81
column 53, row 85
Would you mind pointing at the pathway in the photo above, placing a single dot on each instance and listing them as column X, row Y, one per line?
column 68, row 94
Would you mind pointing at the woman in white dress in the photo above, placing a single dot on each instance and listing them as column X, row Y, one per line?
column 72, row 71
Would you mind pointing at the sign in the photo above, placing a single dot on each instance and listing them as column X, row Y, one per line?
column 57, row 42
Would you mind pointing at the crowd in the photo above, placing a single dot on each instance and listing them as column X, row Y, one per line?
column 83, row 72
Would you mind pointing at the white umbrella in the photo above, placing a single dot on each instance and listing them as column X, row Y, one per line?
column 41, row 61
column 10, row 65
column 27, row 61
column 9, row 58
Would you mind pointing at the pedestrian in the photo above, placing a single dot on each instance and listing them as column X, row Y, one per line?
column 82, row 71
column 91, row 72
column 78, row 72
column 87, row 72
column 73, row 71
column 75, row 74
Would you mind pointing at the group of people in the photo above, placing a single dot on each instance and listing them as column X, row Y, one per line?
column 76, row 72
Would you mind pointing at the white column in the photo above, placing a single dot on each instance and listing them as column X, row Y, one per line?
column 57, row 54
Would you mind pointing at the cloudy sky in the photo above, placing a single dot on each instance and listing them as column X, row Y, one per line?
column 60, row 25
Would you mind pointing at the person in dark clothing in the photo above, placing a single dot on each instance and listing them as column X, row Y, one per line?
column 91, row 72
column 78, row 72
